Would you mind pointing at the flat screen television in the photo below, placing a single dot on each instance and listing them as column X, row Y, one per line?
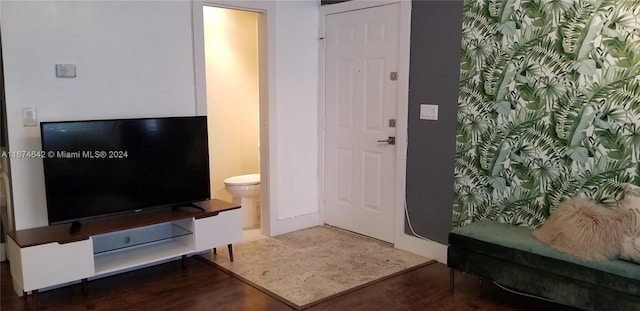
column 104, row 167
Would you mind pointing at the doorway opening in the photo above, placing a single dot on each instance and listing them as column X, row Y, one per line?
column 231, row 41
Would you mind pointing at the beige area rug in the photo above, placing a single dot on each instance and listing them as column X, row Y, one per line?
column 309, row 266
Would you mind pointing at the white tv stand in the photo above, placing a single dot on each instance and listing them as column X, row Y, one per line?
column 53, row 255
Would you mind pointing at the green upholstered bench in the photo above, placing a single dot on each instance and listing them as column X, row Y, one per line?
column 510, row 256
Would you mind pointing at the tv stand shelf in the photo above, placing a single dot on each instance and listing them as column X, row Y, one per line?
column 125, row 249
column 53, row 255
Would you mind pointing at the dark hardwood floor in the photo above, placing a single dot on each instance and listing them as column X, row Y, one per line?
column 203, row 287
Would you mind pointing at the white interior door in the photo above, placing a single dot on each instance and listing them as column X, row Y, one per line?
column 361, row 97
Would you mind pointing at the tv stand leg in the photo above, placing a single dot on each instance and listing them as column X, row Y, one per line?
column 34, row 299
column 85, row 286
column 184, row 261
column 229, row 247
column 230, row 252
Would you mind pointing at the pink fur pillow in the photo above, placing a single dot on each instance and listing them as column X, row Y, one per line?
column 584, row 229
column 630, row 205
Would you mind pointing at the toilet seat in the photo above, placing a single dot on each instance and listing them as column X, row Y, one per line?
column 243, row 180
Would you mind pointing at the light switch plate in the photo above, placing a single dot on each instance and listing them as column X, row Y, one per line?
column 65, row 70
column 29, row 116
column 428, row 112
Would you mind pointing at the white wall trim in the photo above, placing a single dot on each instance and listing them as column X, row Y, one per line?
column 322, row 32
column 422, row 247
column 356, row 5
column 199, row 68
column 287, row 225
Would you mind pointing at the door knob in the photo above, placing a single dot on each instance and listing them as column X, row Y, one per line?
column 391, row 140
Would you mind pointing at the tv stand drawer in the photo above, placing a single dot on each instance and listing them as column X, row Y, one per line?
column 50, row 264
column 219, row 230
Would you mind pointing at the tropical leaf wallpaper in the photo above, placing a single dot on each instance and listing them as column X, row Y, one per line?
column 549, row 106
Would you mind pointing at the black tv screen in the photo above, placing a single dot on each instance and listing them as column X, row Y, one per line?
column 102, row 167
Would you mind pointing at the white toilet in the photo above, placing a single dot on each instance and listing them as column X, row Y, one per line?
column 245, row 190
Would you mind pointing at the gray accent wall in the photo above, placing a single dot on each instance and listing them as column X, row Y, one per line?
column 436, row 34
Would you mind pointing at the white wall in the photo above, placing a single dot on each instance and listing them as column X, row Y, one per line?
column 134, row 59
column 297, row 43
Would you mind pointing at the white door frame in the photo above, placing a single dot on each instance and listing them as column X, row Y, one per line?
column 402, row 240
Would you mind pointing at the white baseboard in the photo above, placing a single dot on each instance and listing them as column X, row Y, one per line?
column 282, row 226
column 422, row 247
